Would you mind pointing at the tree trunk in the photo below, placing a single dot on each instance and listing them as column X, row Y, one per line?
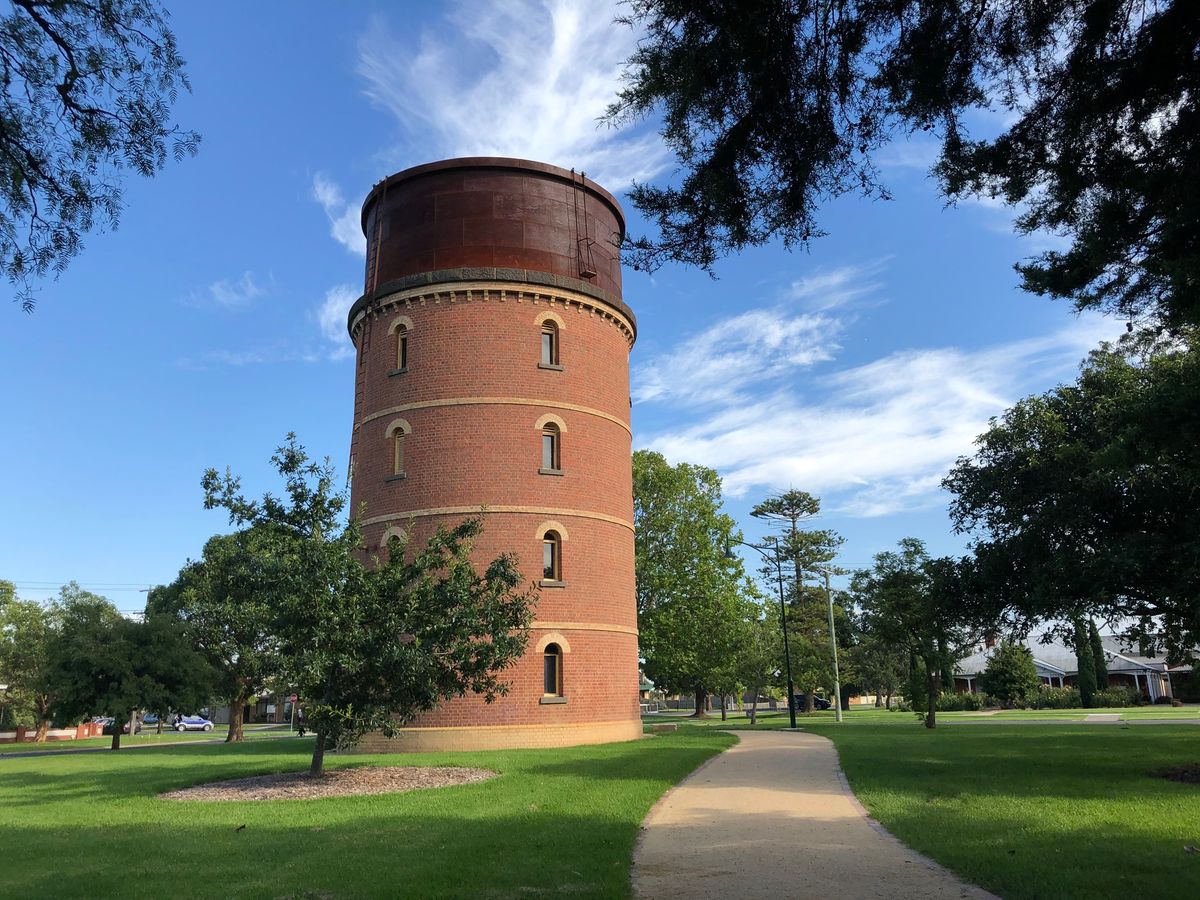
column 809, row 705
column 133, row 723
column 888, row 700
column 116, row 741
column 158, row 727
column 724, row 714
column 754, row 706
column 237, row 715
column 701, row 700
column 878, row 698
column 933, row 682
column 318, row 757
column 43, row 728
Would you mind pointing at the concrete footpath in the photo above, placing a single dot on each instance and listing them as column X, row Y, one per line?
column 772, row 817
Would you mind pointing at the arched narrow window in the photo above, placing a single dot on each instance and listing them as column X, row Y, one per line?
column 397, row 432
column 551, row 448
column 552, row 681
column 549, row 343
column 402, row 347
column 398, row 453
column 551, row 556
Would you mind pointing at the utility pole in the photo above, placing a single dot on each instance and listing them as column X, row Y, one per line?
column 837, row 681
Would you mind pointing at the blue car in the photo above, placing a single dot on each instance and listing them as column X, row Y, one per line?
column 193, row 723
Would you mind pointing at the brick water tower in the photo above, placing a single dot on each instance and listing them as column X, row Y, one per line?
column 493, row 373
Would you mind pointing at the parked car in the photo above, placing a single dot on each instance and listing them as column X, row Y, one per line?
column 150, row 719
column 110, row 727
column 193, row 723
column 818, row 703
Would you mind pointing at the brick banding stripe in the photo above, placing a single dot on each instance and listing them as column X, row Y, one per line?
column 583, row 626
column 495, row 401
column 484, row 510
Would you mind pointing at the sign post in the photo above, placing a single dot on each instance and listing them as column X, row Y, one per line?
column 293, row 698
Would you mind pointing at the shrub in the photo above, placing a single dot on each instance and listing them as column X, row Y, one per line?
column 1011, row 676
column 1162, row 701
column 964, row 702
column 1056, row 698
column 1175, row 702
column 1118, row 696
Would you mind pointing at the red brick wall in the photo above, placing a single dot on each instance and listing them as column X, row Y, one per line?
column 476, row 357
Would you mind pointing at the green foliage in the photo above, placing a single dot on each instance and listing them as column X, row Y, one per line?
column 221, row 603
column 964, row 702
column 1010, row 675
column 370, row 647
column 773, row 107
column 692, row 598
column 1117, row 696
column 918, row 605
column 797, row 553
column 1081, row 500
column 1099, row 660
column 1056, row 698
column 1085, row 679
column 86, row 92
column 103, row 663
column 879, row 667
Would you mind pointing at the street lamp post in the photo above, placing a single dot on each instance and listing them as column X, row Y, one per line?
column 787, row 653
column 837, row 681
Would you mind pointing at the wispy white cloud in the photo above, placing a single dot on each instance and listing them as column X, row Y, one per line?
column 344, row 219
column 877, row 438
column 745, row 354
column 525, row 78
column 331, row 316
column 229, row 293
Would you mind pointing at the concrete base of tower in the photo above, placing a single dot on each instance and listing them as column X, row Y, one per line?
column 500, row 737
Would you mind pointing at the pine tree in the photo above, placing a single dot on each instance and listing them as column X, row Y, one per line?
column 1086, row 679
column 1098, row 660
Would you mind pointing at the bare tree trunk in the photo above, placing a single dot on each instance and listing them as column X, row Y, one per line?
column 888, row 700
column 116, row 741
column 158, row 727
column 318, row 757
column 878, row 698
column 754, row 706
column 237, row 716
column 724, row 715
column 701, row 700
column 809, row 694
column 932, row 680
column 43, row 728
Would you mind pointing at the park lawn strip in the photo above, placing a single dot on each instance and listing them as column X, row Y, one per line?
column 555, row 821
column 1053, row 811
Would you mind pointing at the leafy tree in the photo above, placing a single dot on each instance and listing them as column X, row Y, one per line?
column 692, row 597
column 1081, row 501
column 1010, row 675
column 760, row 657
column 918, row 605
column 774, row 107
column 803, row 551
column 25, row 631
column 86, row 93
column 102, row 662
column 881, row 667
column 222, row 602
column 1099, row 660
column 370, row 647
column 1085, row 680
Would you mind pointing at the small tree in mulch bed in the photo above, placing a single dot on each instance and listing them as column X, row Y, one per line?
column 370, row 647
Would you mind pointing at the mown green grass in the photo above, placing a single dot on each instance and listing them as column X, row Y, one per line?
column 1047, row 811
column 554, row 821
column 148, row 736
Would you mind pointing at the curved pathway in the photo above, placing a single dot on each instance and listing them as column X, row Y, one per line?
column 772, row 817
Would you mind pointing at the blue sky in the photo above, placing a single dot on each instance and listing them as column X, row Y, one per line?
column 213, row 321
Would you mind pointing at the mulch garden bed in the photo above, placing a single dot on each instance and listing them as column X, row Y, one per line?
column 338, row 782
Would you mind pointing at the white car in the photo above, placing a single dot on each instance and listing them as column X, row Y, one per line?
column 193, row 723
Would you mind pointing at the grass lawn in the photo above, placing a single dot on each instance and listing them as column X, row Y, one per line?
column 1030, row 812
column 555, row 821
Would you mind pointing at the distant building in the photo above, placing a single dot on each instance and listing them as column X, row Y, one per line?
column 1058, row 667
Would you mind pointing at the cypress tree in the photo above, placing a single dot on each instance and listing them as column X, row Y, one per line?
column 1099, row 661
column 1086, row 678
